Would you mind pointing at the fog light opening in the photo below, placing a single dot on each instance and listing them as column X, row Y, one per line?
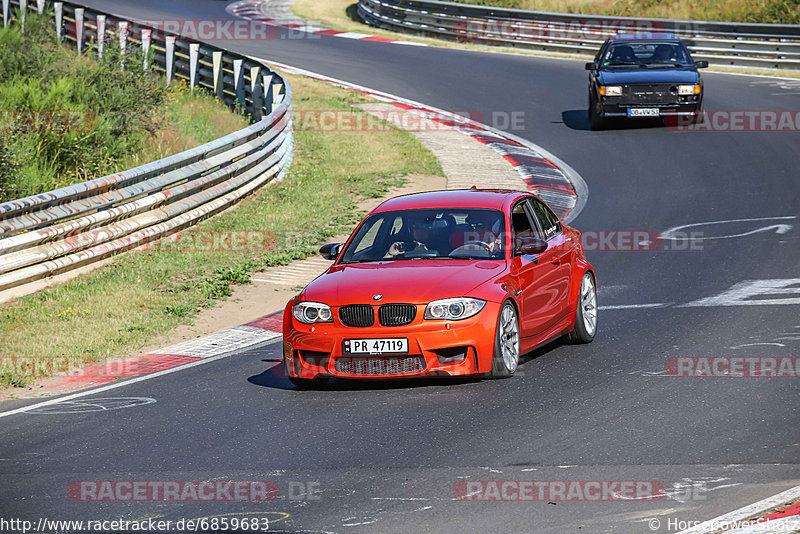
column 451, row 354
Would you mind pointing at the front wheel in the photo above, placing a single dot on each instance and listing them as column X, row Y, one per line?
column 595, row 120
column 506, row 342
column 586, row 314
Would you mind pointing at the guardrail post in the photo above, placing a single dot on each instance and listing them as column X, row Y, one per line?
column 216, row 59
column 59, row 19
column 169, row 41
column 194, row 56
column 123, row 40
column 266, row 80
column 23, row 9
column 6, row 8
column 146, row 38
column 79, row 28
column 256, row 93
column 40, row 6
column 278, row 92
column 100, row 36
column 238, row 83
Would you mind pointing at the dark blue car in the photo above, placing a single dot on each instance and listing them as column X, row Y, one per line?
column 642, row 75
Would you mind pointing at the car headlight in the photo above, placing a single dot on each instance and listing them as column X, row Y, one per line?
column 453, row 309
column 611, row 90
column 689, row 89
column 312, row 312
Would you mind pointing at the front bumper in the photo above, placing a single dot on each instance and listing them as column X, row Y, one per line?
column 435, row 348
column 688, row 109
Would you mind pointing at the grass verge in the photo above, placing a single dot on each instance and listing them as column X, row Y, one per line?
column 67, row 117
column 123, row 306
column 342, row 15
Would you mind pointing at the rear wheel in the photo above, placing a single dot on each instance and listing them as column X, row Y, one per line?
column 506, row 342
column 586, row 314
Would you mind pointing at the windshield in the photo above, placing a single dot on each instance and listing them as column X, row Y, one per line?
column 428, row 233
column 645, row 54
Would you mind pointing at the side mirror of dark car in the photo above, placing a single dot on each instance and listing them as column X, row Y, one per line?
column 702, row 64
column 532, row 245
column 330, row 251
column 590, row 66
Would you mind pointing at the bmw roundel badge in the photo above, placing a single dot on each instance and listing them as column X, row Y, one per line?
column 377, row 297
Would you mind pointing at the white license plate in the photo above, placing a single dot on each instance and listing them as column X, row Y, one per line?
column 643, row 112
column 376, row 346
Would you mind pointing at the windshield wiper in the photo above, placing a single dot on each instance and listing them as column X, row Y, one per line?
column 361, row 261
column 662, row 65
column 622, row 64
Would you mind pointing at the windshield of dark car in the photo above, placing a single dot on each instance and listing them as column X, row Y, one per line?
column 453, row 233
column 645, row 54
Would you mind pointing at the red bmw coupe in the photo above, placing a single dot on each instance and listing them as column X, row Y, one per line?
column 444, row 283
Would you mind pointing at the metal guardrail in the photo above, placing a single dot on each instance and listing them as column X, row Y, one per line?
column 723, row 43
column 60, row 230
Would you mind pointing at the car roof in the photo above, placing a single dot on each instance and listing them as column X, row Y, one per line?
column 459, row 198
column 650, row 36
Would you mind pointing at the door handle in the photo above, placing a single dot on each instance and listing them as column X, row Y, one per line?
column 554, row 260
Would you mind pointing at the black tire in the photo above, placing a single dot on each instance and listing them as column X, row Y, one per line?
column 308, row 383
column 595, row 120
column 580, row 333
column 506, row 336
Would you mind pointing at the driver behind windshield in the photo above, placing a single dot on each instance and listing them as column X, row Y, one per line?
column 422, row 228
column 662, row 54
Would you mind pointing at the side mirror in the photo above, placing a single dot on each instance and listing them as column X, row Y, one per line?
column 702, row 64
column 590, row 66
column 532, row 245
column 330, row 251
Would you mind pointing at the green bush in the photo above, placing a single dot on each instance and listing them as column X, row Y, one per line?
column 99, row 113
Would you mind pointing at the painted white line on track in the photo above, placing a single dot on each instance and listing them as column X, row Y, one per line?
column 127, row 382
column 636, row 306
column 779, row 229
column 713, row 525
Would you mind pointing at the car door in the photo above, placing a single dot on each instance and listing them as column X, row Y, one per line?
column 536, row 276
column 560, row 253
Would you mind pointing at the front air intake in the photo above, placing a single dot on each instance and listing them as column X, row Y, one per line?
column 358, row 315
column 396, row 314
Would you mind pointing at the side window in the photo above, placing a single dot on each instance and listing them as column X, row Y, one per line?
column 600, row 52
column 368, row 237
column 547, row 219
column 521, row 224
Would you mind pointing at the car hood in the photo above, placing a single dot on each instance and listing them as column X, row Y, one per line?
column 639, row 75
column 407, row 281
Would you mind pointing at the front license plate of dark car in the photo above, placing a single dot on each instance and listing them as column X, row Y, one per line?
column 397, row 345
column 643, row 112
